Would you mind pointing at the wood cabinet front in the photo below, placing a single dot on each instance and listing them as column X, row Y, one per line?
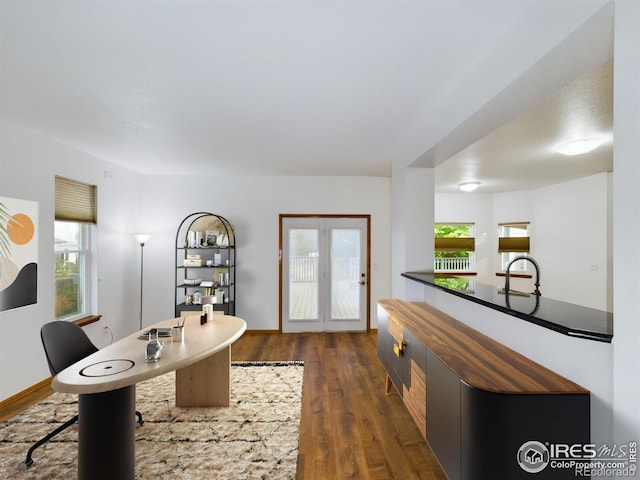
column 476, row 401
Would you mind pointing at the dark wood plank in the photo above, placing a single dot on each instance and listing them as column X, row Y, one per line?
column 349, row 427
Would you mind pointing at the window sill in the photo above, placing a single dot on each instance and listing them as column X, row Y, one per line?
column 514, row 275
column 457, row 274
column 89, row 319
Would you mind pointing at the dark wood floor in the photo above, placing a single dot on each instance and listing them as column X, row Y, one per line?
column 349, row 428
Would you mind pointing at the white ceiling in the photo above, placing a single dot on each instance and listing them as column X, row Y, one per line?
column 520, row 154
column 267, row 87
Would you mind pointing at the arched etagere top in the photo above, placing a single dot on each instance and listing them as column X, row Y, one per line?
column 205, row 264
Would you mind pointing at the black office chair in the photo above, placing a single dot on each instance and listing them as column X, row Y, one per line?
column 64, row 343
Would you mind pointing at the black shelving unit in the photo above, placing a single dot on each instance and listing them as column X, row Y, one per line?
column 205, row 250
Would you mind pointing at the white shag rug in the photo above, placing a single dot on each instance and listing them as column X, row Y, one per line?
column 256, row 437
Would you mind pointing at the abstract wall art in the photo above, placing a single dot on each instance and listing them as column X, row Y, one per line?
column 18, row 253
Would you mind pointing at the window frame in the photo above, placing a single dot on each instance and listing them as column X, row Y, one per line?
column 86, row 266
column 506, row 256
column 76, row 205
column 471, row 253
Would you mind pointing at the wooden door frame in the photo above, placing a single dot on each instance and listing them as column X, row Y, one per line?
column 367, row 217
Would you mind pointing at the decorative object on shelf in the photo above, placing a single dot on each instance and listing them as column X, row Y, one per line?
column 193, row 261
column 197, row 298
column 219, row 295
column 141, row 238
column 205, row 264
column 211, row 237
column 194, row 239
column 208, row 299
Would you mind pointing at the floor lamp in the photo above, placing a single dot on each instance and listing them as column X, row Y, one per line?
column 141, row 239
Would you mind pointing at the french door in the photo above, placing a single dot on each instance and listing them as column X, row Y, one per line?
column 324, row 272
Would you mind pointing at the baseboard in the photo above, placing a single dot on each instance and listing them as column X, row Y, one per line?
column 262, row 331
column 371, row 330
column 18, row 402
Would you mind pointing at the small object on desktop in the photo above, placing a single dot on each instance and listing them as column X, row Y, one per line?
column 153, row 349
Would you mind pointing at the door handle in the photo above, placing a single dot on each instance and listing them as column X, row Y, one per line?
column 363, row 282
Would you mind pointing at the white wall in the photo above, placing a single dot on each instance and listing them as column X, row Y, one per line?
column 610, row 370
column 129, row 203
column 559, row 214
column 570, row 241
column 253, row 204
column 626, row 222
column 28, row 165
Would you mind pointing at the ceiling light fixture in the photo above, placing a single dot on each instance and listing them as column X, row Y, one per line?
column 468, row 186
column 579, row 146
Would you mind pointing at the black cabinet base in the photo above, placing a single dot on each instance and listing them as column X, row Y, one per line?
column 497, row 426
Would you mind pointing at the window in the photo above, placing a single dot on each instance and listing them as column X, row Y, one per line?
column 454, row 247
column 74, row 249
column 513, row 240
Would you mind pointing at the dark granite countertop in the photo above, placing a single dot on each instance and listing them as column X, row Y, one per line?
column 567, row 318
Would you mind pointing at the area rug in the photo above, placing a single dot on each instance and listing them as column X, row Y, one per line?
column 256, row 437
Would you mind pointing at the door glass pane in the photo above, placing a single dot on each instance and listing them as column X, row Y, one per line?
column 303, row 274
column 345, row 273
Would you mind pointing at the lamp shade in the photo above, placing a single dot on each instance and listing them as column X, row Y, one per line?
column 141, row 238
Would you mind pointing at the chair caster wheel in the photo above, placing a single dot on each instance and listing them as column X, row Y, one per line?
column 26, row 464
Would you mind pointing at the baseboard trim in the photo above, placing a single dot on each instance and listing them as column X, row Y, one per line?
column 18, row 402
column 371, row 330
column 268, row 363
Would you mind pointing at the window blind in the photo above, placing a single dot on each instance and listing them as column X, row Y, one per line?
column 517, row 240
column 513, row 244
column 461, row 244
column 75, row 201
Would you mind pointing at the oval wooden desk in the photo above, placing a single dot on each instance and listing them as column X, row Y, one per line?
column 105, row 382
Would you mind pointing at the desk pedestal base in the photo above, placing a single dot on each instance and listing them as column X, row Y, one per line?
column 205, row 383
column 106, row 435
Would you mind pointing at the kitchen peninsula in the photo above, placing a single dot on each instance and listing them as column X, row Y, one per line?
column 486, row 410
column 567, row 318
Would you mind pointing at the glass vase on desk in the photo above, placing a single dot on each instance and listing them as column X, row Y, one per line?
column 153, row 348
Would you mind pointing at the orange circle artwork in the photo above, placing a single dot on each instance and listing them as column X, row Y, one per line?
column 20, row 229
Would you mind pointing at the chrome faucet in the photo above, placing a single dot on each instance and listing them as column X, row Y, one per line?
column 535, row 264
